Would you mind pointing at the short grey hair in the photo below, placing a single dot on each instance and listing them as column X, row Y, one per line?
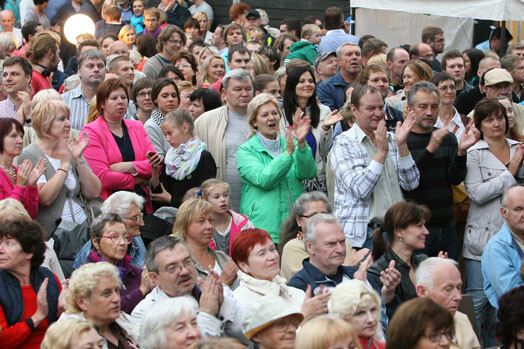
column 310, row 233
column 97, row 228
column 71, row 82
column 426, row 270
column 237, row 74
column 8, row 41
column 339, row 49
column 120, row 202
column 91, row 54
column 504, row 198
column 164, row 313
column 157, row 246
column 424, row 86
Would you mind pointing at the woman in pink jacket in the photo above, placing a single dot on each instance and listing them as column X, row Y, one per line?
column 17, row 182
column 117, row 147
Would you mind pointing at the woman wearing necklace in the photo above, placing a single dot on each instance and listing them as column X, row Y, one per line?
column 17, row 183
column 117, row 148
column 67, row 175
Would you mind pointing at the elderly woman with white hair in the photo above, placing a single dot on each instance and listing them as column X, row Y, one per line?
column 271, row 166
column 94, row 294
column 67, row 176
column 170, row 323
column 359, row 304
column 128, row 206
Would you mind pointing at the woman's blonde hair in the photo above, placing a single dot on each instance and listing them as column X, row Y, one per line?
column 381, row 59
column 92, row 114
column 260, row 65
column 84, row 280
column 12, row 209
column 324, row 331
column 61, row 334
column 187, row 213
column 205, row 65
column 185, row 85
column 45, row 95
column 202, row 15
column 44, row 114
column 254, row 105
column 124, row 30
column 211, row 49
column 347, row 296
column 210, row 184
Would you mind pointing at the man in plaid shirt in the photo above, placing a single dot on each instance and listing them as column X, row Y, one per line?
column 370, row 165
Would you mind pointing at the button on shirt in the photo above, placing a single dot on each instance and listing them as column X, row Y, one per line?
column 78, row 105
column 7, row 109
column 357, row 177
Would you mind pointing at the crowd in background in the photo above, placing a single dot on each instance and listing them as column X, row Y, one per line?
column 170, row 182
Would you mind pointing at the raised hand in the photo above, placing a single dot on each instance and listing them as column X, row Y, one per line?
column 26, row 104
column 390, row 278
column 362, row 272
column 356, row 257
column 290, row 143
column 381, row 142
column 302, row 129
column 78, row 146
column 146, row 284
column 442, row 254
column 331, row 119
column 469, row 137
column 23, row 173
column 516, row 160
column 403, row 129
column 297, row 116
column 229, row 273
column 36, row 172
column 436, row 138
column 210, row 296
column 41, row 302
column 315, row 305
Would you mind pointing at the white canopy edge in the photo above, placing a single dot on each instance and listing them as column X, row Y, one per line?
column 497, row 10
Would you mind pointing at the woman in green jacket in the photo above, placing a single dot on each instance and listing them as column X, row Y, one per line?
column 272, row 167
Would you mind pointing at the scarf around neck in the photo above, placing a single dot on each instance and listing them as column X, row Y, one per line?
column 182, row 161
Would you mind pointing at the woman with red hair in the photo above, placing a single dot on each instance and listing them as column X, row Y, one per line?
column 255, row 254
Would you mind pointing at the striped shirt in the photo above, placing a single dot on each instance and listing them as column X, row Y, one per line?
column 356, row 178
column 78, row 105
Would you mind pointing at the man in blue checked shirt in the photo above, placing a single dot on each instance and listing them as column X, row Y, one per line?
column 370, row 167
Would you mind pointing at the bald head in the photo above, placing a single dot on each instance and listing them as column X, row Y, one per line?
column 118, row 48
column 487, row 63
column 513, row 209
column 7, row 18
column 421, row 50
column 439, row 279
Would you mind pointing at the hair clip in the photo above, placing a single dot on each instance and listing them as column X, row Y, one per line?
column 199, row 192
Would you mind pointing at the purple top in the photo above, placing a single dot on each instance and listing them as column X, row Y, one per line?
column 130, row 294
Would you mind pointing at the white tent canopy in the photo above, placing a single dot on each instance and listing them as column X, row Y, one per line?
column 497, row 10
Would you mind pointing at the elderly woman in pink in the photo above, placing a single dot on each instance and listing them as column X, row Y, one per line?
column 118, row 148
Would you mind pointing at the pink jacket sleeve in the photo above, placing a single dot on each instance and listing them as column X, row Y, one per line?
column 28, row 196
column 99, row 154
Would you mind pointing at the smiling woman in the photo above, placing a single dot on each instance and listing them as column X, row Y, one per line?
column 66, row 173
column 271, row 167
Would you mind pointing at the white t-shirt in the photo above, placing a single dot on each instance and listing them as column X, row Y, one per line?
column 70, row 183
column 208, row 10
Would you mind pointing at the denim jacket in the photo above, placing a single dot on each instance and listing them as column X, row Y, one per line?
column 501, row 262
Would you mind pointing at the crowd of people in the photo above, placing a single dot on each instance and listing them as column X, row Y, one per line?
column 173, row 182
